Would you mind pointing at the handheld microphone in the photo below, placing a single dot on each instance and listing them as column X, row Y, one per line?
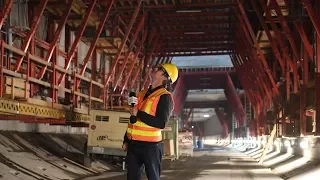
column 133, row 119
column 132, row 94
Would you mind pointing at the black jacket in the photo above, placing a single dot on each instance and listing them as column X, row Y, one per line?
column 163, row 112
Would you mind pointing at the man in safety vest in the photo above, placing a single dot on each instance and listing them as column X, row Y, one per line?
column 142, row 140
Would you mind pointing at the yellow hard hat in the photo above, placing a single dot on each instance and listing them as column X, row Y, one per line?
column 171, row 70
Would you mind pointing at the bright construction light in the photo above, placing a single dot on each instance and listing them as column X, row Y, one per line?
column 192, row 127
column 206, row 115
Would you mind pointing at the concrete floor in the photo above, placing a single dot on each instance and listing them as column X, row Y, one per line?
column 216, row 163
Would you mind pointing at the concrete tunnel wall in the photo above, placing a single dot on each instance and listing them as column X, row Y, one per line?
column 212, row 126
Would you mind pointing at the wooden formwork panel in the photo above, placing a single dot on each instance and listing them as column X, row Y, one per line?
column 16, row 88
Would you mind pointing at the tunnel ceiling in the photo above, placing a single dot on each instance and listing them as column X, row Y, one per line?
column 107, row 48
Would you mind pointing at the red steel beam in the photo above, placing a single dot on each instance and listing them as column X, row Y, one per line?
column 202, row 39
column 53, row 44
column 304, row 38
column 314, row 18
column 32, row 119
column 124, row 63
column 286, row 29
column 241, row 74
column 197, row 22
column 185, row 14
column 262, row 57
column 317, row 87
column 33, row 28
column 191, row 31
column 78, row 38
column 156, row 39
column 5, row 11
column 133, row 62
column 42, row 44
column 223, row 121
column 251, row 77
column 151, row 37
column 276, row 31
column 267, row 31
column 123, row 43
column 256, row 70
column 177, row 6
column 255, row 66
column 303, row 95
column 185, row 124
column 201, row 54
column 150, row 61
column 94, row 42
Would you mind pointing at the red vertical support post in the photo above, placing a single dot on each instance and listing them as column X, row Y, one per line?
column 27, row 74
column 1, row 68
column 68, row 42
column 77, row 39
column 34, row 25
column 123, row 43
column 94, row 42
column 90, row 95
column 303, row 89
column 317, row 87
column 94, row 73
column 54, row 75
column 5, row 11
column 315, row 21
column 57, row 34
column 288, row 80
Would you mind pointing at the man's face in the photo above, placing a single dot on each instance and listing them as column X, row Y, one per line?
column 157, row 74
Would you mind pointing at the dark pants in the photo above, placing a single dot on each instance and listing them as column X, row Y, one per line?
column 147, row 154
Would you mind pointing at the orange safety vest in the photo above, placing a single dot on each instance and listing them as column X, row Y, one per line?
column 140, row 131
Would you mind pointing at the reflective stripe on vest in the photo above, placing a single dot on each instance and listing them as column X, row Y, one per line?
column 140, row 131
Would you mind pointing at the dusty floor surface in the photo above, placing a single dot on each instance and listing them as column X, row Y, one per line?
column 29, row 156
column 216, row 163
